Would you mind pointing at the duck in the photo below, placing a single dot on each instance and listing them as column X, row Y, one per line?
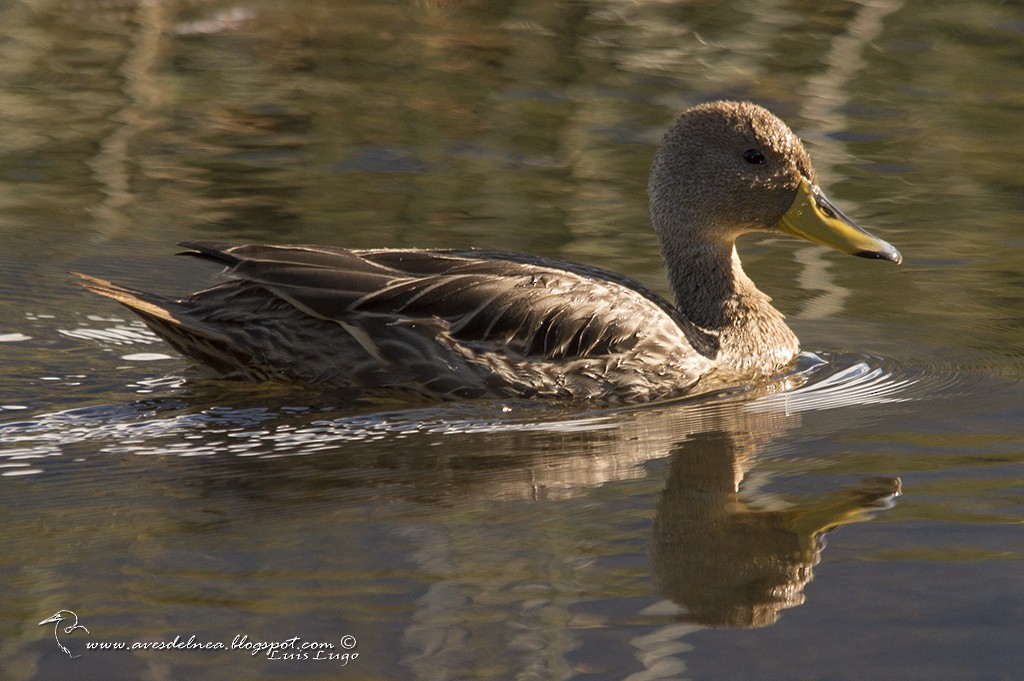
column 482, row 324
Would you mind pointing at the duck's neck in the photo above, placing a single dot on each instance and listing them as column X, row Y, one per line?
column 710, row 286
column 714, row 293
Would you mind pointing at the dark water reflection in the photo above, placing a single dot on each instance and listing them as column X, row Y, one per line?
column 511, row 540
column 253, row 477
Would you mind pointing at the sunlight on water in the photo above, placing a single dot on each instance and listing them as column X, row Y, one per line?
column 820, row 382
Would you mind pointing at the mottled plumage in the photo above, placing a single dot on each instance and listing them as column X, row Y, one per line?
column 465, row 323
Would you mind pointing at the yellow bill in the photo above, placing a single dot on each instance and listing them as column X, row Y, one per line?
column 814, row 218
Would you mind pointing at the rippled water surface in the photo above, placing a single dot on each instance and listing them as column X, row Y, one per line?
column 857, row 518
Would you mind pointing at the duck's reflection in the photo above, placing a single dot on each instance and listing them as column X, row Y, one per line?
column 727, row 563
column 727, row 556
column 489, row 514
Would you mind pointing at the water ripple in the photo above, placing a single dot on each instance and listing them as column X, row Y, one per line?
column 830, row 380
column 174, row 425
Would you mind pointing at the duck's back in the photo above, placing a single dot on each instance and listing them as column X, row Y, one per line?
column 440, row 323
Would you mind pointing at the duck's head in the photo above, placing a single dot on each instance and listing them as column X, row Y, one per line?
column 729, row 168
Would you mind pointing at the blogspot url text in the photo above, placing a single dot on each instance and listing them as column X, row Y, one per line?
column 340, row 650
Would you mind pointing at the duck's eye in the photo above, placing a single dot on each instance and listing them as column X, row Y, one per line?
column 753, row 156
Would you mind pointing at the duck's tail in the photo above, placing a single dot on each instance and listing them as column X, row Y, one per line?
column 147, row 305
column 173, row 321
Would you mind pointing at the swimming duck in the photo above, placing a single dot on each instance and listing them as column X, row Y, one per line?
column 474, row 323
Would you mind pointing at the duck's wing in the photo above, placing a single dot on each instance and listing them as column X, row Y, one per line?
column 534, row 308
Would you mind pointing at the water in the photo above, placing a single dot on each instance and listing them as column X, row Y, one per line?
column 857, row 518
